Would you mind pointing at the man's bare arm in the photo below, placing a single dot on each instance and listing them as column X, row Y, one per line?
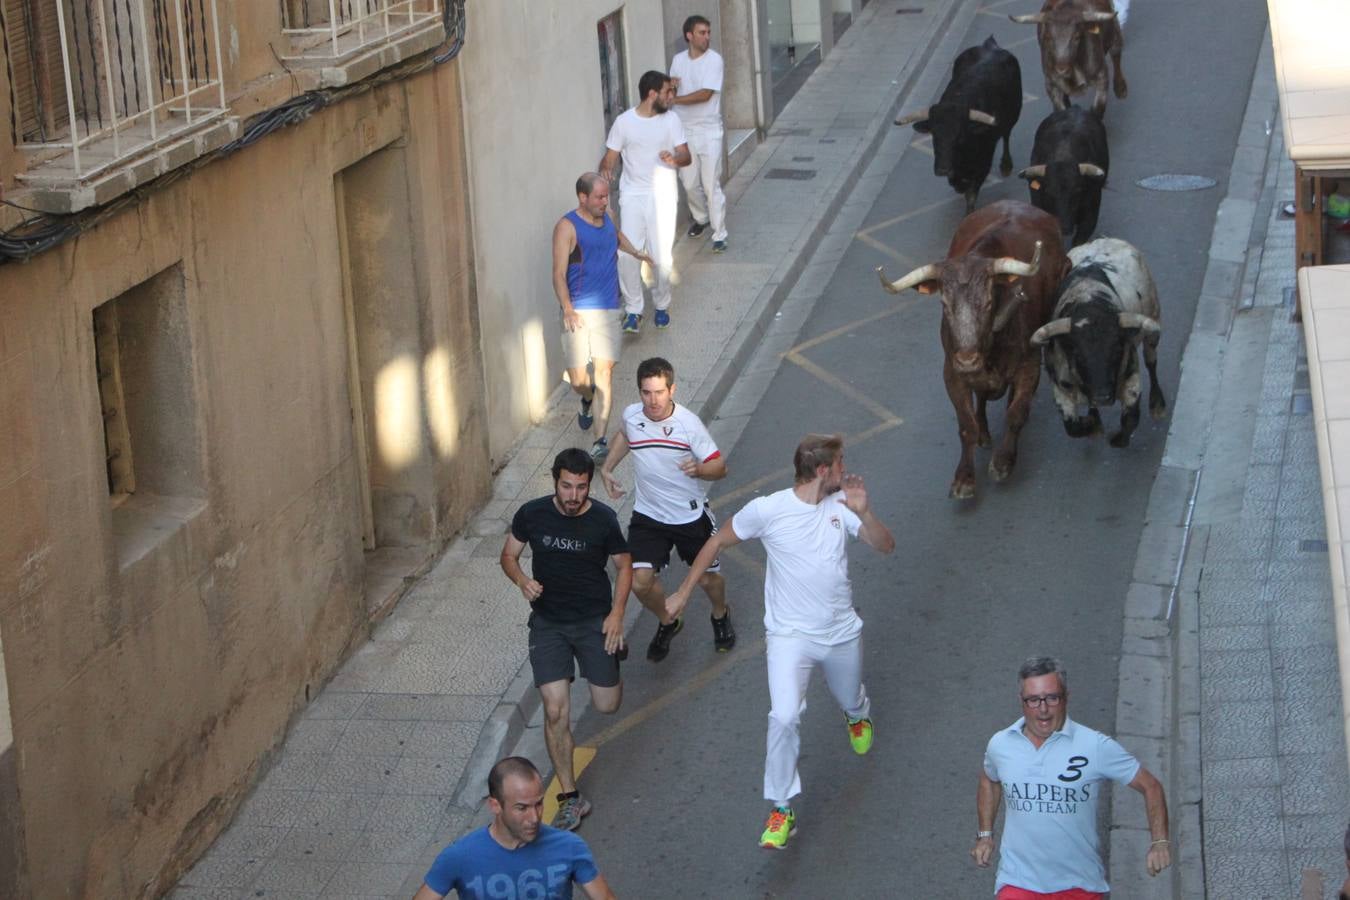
column 703, row 95
column 607, row 164
column 1155, row 807
column 712, row 548
column 510, row 563
column 598, row 889
column 988, row 795
column 564, row 240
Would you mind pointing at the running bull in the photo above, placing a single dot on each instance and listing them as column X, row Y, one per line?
column 1069, row 162
column 997, row 286
column 1107, row 307
column 979, row 106
column 1076, row 37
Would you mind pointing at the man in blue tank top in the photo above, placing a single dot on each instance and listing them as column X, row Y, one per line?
column 586, row 280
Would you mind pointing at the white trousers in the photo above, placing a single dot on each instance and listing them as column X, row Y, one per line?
column 702, row 180
column 791, row 661
column 648, row 221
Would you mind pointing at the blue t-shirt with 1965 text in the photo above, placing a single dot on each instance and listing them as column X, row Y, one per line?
column 479, row 868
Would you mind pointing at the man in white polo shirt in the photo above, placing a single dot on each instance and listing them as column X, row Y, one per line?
column 1048, row 772
column 697, row 73
column 809, row 619
column 650, row 140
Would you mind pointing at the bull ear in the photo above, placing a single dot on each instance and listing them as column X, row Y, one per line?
column 1051, row 329
column 1030, row 19
column 1135, row 321
column 1091, row 171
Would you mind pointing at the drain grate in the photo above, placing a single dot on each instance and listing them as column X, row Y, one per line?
column 828, row 140
column 1313, row 546
column 790, row 132
column 1174, row 182
column 909, row 10
column 803, row 159
column 791, row 174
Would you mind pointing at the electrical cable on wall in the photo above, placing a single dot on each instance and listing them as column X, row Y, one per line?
column 45, row 231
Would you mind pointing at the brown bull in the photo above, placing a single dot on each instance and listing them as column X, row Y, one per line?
column 1076, row 37
column 998, row 286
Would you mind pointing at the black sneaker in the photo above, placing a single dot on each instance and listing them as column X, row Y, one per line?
column 696, row 229
column 584, row 418
column 660, row 645
column 724, row 636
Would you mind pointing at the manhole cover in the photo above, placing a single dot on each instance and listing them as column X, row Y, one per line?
column 791, row 174
column 1176, row 182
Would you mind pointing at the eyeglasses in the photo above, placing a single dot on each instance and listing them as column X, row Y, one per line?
column 1042, row 700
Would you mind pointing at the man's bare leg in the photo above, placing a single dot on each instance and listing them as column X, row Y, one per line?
column 715, row 586
column 648, row 589
column 602, row 394
column 557, row 697
column 606, row 699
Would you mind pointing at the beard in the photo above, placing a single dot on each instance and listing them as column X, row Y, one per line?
column 660, row 107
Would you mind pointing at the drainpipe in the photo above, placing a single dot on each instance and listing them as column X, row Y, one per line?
column 759, row 67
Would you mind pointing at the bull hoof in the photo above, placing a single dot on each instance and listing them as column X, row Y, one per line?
column 962, row 489
column 985, row 440
column 1122, row 90
column 999, row 470
column 1120, row 440
column 1005, row 168
column 1158, row 413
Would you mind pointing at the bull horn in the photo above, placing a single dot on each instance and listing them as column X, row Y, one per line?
column 1009, row 265
column 1050, row 330
column 1142, row 322
column 918, row 115
column 1091, row 171
column 921, row 274
column 1030, row 19
column 982, row 117
column 1032, row 172
column 1098, row 16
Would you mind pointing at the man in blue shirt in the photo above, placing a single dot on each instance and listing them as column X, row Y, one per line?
column 1047, row 770
column 516, row 855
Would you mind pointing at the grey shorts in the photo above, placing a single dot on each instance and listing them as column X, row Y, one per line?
column 555, row 645
column 597, row 338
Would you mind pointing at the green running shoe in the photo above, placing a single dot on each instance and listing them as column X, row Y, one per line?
column 782, row 825
column 860, row 734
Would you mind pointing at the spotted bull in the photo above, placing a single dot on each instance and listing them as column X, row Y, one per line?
column 1069, row 162
column 1107, row 307
column 1076, row 37
column 979, row 106
column 997, row 286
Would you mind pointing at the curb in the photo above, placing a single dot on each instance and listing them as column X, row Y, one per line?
column 1158, row 695
column 520, row 704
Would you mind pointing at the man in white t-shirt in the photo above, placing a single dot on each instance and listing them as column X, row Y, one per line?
column 697, row 73
column 809, row 619
column 1048, row 772
column 674, row 458
column 650, row 140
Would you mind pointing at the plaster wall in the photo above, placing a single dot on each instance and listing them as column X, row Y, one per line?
column 535, row 122
column 154, row 652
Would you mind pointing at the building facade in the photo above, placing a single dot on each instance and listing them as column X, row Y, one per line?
column 217, row 400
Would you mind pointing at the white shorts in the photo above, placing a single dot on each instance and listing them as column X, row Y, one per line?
column 597, row 338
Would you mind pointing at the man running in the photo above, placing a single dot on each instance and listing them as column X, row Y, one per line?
column 650, row 140
column 1047, row 770
column 673, row 459
column 697, row 73
column 586, row 281
column 809, row 619
column 573, row 615
column 515, row 855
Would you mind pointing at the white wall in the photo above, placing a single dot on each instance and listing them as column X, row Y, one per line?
column 533, row 123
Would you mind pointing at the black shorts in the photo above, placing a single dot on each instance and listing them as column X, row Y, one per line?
column 650, row 541
column 554, row 645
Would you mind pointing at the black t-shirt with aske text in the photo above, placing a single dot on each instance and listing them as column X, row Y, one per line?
column 570, row 557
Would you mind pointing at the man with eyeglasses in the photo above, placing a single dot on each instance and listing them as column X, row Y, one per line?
column 1047, row 771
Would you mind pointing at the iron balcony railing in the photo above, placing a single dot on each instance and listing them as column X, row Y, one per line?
column 334, row 29
column 108, row 80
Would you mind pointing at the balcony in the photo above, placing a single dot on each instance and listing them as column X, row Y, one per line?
column 347, row 40
column 108, row 94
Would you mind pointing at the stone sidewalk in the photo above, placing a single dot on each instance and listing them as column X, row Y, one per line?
column 388, row 763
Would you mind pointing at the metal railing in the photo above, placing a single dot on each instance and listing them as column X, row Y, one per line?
column 343, row 27
column 108, row 79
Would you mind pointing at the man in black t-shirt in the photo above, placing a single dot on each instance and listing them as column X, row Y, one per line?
column 574, row 614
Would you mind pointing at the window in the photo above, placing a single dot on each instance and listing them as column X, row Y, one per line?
column 613, row 69
column 143, row 357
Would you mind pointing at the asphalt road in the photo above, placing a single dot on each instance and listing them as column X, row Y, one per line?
column 1039, row 564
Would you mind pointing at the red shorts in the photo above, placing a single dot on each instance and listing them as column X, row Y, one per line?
column 1008, row 892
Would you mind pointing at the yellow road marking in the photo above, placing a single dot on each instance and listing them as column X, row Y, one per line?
column 581, row 758
column 911, row 214
column 844, row 329
column 843, row 387
column 883, row 248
